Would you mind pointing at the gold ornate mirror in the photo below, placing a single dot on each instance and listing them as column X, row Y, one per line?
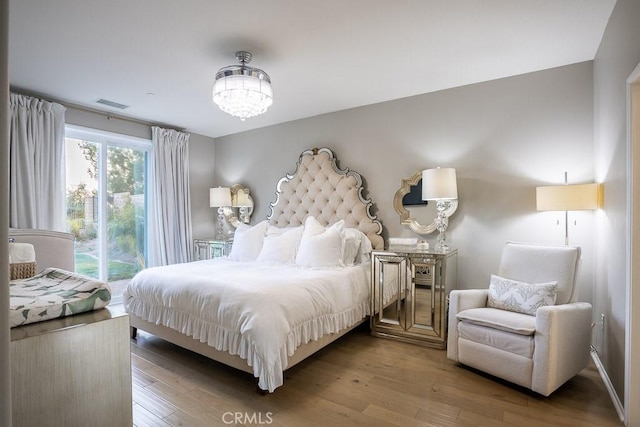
column 241, row 206
column 420, row 216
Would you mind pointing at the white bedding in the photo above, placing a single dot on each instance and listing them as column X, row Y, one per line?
column 258, row 311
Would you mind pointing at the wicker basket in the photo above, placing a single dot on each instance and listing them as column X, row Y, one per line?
column 22, row 270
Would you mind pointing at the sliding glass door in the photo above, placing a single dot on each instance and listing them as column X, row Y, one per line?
column 107, row 204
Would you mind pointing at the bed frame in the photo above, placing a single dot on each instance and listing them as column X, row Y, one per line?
column 320, row 188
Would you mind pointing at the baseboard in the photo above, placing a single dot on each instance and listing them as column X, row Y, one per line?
column 607, row 383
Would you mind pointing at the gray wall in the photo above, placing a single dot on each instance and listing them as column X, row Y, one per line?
column 618, row 55
column 504, row 137
column 201, row 158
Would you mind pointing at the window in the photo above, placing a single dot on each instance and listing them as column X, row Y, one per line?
column 107, row 203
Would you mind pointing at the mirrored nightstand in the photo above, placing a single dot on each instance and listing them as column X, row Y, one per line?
column 210, row 248
column 409, row 294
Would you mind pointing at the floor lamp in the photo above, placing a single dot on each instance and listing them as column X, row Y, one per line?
column 569, row 198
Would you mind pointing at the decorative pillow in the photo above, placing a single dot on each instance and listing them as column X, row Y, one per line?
column 356, row 247
column 247, row 241
column 521, row 297
column 313, row 226
column 280, row 245
column 319, row 246
column 364, row 253
column 274, row 229
column 21, row 252
column 351, row 246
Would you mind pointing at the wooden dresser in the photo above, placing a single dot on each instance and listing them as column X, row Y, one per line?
column 72, row 371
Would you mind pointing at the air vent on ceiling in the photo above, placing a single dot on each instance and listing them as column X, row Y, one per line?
column 111, row 103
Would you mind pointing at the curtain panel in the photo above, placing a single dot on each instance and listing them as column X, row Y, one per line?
column 170, row 239
column 36, row 164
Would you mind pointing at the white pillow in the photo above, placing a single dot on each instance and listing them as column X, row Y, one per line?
column 280, row 245
column 521, row 297
column 247, row 241
column 313, row 226
column 320, row 247
column 273, row 229
column 365, row 249
column 351, row 246
column 357, row 247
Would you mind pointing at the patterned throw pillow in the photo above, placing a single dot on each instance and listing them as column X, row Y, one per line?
column 521, row 297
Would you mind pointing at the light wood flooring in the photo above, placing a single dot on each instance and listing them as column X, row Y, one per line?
column 358, row 380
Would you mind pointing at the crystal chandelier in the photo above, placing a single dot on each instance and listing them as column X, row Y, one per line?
column 242, row 91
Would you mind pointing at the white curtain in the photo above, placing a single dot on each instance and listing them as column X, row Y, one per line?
column 36, row 164
column 170, row 229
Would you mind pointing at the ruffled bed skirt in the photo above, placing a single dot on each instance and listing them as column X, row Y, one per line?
column 233, row 342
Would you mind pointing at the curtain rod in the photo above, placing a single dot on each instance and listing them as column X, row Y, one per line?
column 108, row 115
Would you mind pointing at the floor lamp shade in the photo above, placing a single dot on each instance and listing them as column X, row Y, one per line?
column 569, row 197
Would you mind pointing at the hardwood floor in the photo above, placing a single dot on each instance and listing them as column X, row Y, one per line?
column 357, row 380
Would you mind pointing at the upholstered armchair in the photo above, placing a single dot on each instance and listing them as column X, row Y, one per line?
column 525, row 328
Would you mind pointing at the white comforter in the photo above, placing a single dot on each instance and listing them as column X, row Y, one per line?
column 257, row 311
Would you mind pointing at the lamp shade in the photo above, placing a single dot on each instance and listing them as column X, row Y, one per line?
column 439, row 184
column 241, row 199
column 220, row 196
column 569, row 197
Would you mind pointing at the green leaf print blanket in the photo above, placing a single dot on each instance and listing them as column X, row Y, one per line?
column 55, row 293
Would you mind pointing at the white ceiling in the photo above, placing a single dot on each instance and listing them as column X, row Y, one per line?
column 160, row 56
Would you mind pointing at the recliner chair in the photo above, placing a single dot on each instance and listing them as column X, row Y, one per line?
column 517, row 331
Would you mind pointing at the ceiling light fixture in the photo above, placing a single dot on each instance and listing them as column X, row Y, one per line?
column 242, row 91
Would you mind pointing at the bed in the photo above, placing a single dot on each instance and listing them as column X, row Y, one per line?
column 264, row 308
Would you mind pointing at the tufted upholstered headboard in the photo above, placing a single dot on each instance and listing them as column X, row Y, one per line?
column 319, row 188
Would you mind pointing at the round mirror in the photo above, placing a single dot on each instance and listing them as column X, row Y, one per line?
column 418, row 214
column 241, row 206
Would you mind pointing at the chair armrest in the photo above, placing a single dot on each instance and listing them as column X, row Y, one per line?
column 464, row 299
column 460, row 300
column 562, row 344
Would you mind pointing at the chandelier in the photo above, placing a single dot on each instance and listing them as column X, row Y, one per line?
column 242, row 91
